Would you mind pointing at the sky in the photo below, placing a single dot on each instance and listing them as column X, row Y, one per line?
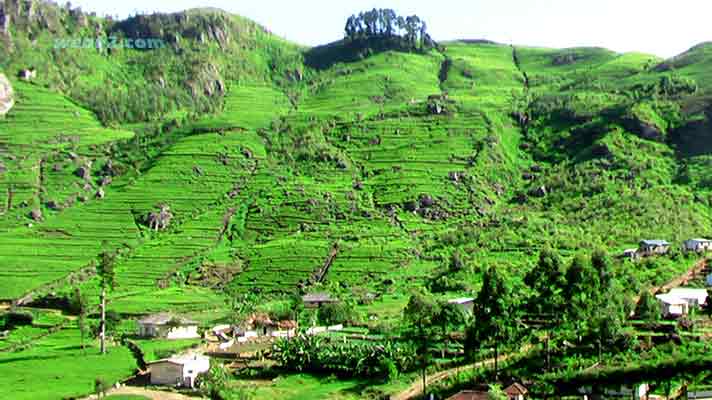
column 661, row 27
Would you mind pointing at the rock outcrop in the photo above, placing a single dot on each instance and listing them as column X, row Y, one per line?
column 7, row 99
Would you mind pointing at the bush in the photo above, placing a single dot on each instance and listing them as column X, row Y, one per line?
column 320, row 354
column 335, row 313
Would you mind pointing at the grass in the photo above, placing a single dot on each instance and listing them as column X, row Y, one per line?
column 290, row 162
column 50, row 368
column 158, row 349
column 307, row 387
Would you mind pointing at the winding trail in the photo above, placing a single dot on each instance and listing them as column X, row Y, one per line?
column 416, row 389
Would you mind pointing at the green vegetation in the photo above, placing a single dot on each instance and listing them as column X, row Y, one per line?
column 55, row 366
column 233, row 171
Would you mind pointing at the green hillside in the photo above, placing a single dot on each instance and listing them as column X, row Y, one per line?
column 271, row 162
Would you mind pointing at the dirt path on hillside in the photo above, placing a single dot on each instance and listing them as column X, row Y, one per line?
column 684, row 277
column 150, row 394
column 679, row 280
column 416, row 388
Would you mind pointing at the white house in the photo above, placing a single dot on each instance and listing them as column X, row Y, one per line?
column 316, row 300
column 653, row 247
column 178, row 371
column 699, row 395
column 634, row 392
column 465, row 303
column 631, row 254
column 698, row 245
column 678, row 301
column 168, row 326
column 673, row 306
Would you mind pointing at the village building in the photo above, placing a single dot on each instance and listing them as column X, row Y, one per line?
column 469, row 395
column 516, row 391
column 631, row 254
column 259, row 325
column 679, row 301
column 316, row 300
column 634, row 392
column 27, row 74
column 178, row 371
column 653, row 247
column 699, row 395
column 698, row 245
column 467, row 304
column 168, row 326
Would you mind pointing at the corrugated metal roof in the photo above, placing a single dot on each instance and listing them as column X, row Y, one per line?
column 163, row 318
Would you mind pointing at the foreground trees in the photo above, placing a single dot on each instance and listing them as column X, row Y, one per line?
column 496, row 316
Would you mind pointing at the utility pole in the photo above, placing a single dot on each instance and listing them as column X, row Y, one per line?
column 546, row 350
column 496, row 371
column 102, row 334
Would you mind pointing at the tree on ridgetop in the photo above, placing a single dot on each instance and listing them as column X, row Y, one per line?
column 385, row 23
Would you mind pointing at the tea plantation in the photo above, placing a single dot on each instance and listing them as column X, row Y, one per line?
column 361, row 178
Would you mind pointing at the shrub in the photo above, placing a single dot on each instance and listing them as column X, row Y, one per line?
column 335, row 313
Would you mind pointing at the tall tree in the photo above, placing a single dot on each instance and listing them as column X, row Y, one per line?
column 350, row 27
column 495, row 315
column 581, row 292
column 82, row 308
column 602, row 265
column 448, row 317
column 107, row 281
column 423, row 31
column 648, row 308
column 546, row 279
column 420, row 315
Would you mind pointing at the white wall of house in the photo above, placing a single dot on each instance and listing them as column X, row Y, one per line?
column 148, row 330
column 674, row 309
column 193, row 368
column 179, row 371
column 183, row 332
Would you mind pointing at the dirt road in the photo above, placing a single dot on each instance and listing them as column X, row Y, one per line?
column 417, row 387
column 149, row 394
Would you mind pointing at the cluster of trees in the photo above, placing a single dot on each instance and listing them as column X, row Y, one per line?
column 428, row 325
column 143, row 102
column 380, row 23
column 582, row 301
